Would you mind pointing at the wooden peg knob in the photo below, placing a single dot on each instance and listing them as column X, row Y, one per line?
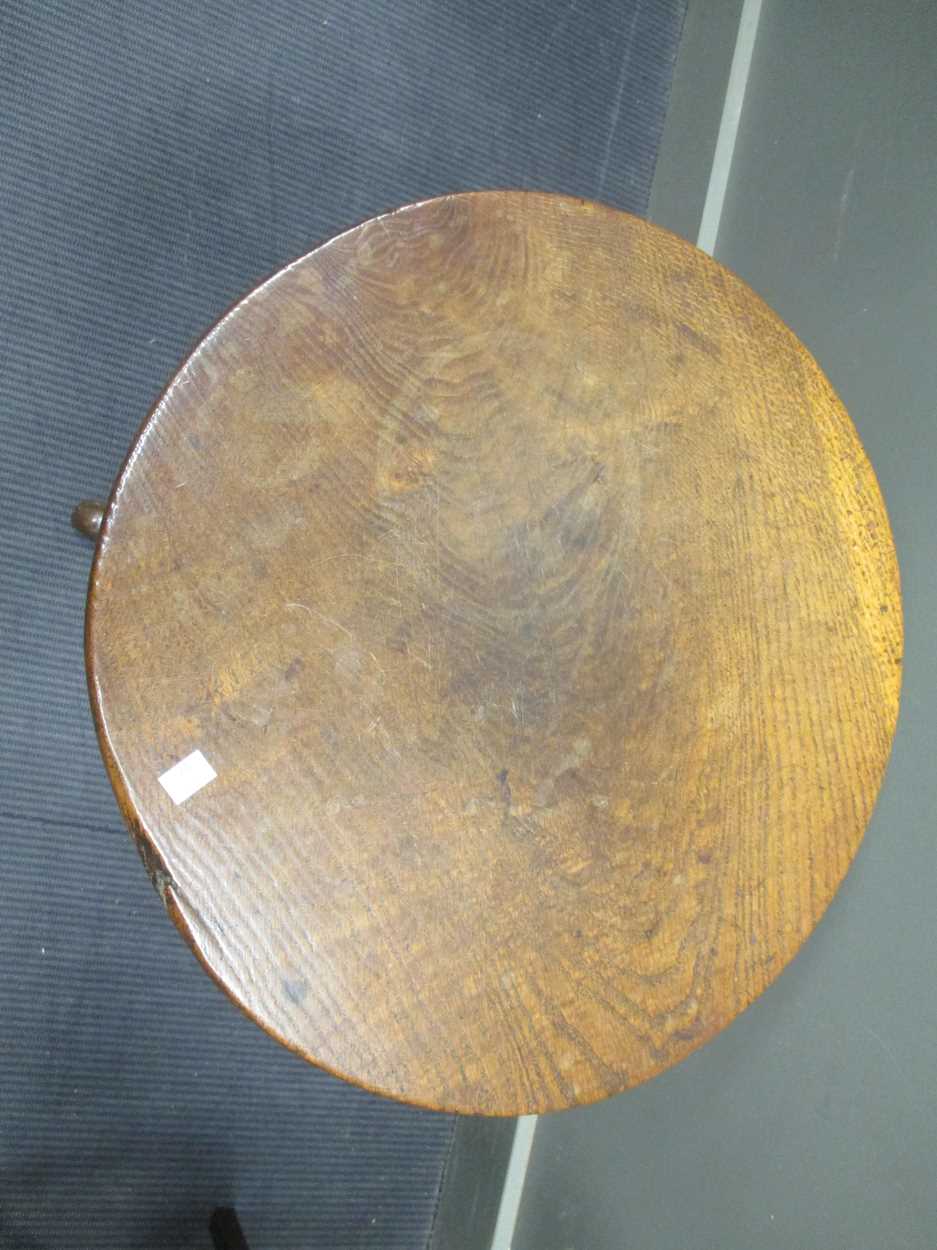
column 87, row 518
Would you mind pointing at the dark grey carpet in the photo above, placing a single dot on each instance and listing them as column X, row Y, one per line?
column 158, row 159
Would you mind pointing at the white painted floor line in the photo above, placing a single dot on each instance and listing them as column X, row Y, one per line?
column 514, row 1183
column 729, row 126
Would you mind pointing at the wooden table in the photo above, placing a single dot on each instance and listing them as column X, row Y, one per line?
column 524, row 586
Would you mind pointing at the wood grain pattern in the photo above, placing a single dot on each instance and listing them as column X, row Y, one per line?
column 526, row 584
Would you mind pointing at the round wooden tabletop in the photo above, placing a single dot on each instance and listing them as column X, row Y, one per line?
column 528, row 598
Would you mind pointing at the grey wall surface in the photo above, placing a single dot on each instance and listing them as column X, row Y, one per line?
column 812, row 1122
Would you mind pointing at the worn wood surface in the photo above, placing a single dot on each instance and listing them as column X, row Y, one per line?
column 526, row 585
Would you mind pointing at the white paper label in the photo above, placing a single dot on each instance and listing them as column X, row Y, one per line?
column 187, row 777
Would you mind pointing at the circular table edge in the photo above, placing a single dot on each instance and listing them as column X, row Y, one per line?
column 162, row 880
